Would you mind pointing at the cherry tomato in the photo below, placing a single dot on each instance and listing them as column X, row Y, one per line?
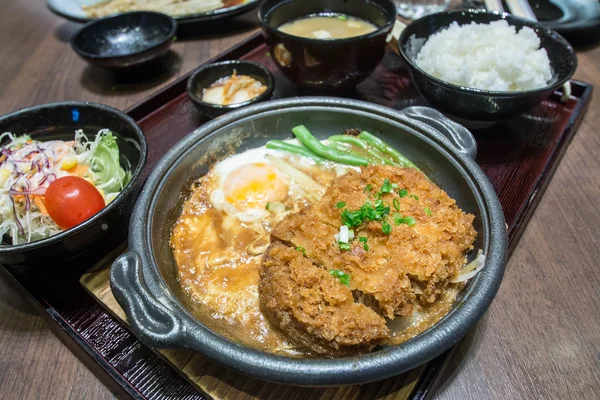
column 70, row 200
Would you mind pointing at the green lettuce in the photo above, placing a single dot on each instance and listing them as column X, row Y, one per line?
column 105, row 166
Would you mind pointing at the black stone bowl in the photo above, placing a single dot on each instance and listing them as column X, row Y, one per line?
column 59, row 121
column 476, row 104
column 144, row 280
column 125, row 40
column 208, row 74
column 336, row 63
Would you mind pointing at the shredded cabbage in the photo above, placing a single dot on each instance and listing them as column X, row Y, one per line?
column 27, row 167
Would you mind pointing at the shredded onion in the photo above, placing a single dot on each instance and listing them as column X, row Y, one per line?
column 314, row 191
column 251, row 215
column 471, row 269
column 276, row 207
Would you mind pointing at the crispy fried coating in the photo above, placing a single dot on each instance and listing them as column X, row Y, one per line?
column 315, row 310
column 412, row 264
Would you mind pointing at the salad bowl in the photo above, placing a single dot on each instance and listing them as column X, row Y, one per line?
column 108, row 227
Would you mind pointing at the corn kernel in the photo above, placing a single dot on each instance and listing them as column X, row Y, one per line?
column 68, row 163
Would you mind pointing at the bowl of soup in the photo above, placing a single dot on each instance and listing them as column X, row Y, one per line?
column 331, row 44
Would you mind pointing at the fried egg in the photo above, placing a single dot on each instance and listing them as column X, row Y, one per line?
column 245, row 183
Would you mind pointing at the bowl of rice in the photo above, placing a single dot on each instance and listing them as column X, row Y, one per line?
column 485, row 66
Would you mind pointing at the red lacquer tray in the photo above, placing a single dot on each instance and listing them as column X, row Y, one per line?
column 518, row 155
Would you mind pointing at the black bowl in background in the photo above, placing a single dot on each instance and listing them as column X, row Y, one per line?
column 206, row 75
column 59, row 121
column 335, row 63
column 476, row 104
column 125, row 40
column 144, row 280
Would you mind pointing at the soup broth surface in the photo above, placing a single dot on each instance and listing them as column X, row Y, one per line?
column 327, row 27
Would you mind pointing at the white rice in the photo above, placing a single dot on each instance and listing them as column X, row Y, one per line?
column 487, row 56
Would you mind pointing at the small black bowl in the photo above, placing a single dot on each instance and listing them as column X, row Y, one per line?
column 336, row 63
column 59, row 121
column 206, row 75
column 125, row 40
column 476, row 104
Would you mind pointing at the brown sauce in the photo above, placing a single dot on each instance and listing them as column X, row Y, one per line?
column 218, row 260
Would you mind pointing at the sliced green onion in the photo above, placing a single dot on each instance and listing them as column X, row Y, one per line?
column 344, row 246
column 386, row 187
column 386, row 227
column 341, row 204
column 399, row 219
column 341, row 275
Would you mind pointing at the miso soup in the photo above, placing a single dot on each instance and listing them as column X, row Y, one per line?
column 327, row 27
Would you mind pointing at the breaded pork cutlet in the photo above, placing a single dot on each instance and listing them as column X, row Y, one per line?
column 313, row 309
column 410, row 240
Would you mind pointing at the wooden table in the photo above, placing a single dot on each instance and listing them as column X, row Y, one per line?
column 540, row 338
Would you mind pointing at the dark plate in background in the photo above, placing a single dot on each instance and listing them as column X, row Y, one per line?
column 577, row 20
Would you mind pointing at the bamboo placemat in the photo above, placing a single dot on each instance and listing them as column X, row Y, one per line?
column 222, row 383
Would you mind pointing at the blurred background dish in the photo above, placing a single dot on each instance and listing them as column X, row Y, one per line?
column 415, row 9
column 327, row 62
column 220, row 74
column 75, row 10
column 59, row 121
column 476, row 104
column 125, row 40
column 577, row 20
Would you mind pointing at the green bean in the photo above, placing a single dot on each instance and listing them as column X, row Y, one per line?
column 386, row 149
column 342, row 147
column 292, row 148
column 314, row 145
column 372, row 153
column 353, row 140
column 371, row 156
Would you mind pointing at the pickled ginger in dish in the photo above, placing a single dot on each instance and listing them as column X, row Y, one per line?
column 233, row 89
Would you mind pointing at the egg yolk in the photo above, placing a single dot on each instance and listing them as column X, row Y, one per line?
column 254, row 185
